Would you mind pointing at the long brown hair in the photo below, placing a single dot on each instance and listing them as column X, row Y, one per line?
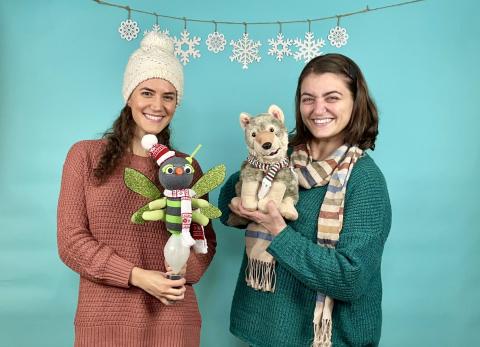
column 119, row 140
column 362, row 130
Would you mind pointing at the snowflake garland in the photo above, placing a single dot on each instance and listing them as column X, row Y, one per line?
column 338, row 36
column 216, row 42
column 191, row 51
column 245, row 51
column 156, row 29
column 308, row 48
column 280, row 47
column 128, row 29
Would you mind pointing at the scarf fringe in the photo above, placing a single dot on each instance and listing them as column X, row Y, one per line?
column 322, row 333
column 260, row 275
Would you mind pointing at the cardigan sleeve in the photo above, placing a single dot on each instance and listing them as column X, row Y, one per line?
column 77, row 247
column 344, row 272
column 198, row 263
column 227, row 193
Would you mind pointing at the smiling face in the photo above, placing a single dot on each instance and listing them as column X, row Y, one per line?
column 153, row 103
column 326, row 106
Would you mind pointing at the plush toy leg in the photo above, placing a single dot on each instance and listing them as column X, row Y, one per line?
column 199, row 218
column 276, row 193
column 288, row 210
column 236, row 201
column 154, row 215
column 158, row 204
column 249, row 195
column 233, row 219
column 199, row 203
column 157, row 210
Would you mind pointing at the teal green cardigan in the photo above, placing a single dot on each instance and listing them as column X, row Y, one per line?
column 350, row 273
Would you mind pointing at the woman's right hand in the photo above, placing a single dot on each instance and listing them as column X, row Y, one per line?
column 156, row 284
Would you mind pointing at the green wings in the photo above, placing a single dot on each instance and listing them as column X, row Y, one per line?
column 140, row 184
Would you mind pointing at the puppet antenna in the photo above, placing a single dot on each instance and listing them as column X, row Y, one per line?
column 189, row 159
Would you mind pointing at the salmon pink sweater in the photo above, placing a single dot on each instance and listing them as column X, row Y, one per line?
column 97, row 240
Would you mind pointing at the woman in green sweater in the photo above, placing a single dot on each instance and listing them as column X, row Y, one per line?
column 328, row 288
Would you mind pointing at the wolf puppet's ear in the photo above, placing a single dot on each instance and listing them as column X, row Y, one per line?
column 244, row 119
column 277, row 112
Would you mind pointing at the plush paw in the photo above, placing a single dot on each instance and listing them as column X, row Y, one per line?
column 250, row 203
column 288, row 211
column 236, row 201
column 262, row 205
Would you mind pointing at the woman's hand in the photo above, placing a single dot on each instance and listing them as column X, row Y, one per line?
column 156, row 284
column 272, row 220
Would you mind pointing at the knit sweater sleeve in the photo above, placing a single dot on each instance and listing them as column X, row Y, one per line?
column 227, row 193
column 77, row 247
column 344, row 272
column 198, row 263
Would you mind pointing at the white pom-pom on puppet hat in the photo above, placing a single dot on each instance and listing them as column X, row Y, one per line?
column 157, row 151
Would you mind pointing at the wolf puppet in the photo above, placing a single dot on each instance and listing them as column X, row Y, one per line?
column 265, row 176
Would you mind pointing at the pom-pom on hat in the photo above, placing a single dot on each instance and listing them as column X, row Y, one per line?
column 154, row 59
column 158, row 152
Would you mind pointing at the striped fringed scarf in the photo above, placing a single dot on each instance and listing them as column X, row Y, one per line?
column 260, row 270
column 334, row 171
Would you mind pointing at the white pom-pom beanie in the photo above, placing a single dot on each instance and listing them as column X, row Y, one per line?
column 154, row 59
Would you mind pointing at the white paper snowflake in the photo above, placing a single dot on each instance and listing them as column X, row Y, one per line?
column 156, row 28
column 338, row 36
column 308, row 48
column 216, row 42
column 190, row 49
column 245, row 51
column 128, row 29
column 280, row 47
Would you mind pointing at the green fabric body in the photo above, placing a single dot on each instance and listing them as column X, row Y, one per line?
column 350, row 273
column 173, row 219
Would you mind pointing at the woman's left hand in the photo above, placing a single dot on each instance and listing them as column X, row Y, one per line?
column 272, row 220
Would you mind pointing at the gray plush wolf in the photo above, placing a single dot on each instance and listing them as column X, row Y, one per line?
column 266, row 174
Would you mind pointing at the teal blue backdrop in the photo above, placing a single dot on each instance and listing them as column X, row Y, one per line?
column 61, row 72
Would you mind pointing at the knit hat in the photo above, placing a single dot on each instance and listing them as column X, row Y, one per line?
column 158, row 152
column 154, row 59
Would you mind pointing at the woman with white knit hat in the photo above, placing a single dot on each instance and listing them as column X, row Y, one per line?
column 125, row 297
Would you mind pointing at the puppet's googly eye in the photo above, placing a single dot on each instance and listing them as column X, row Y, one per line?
column 253, row 134
column 272, row 130
column 188, row 169
column 168, row 169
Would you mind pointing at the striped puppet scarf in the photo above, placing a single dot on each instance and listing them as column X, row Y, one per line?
column 270, row 172
column 334, row 171
column 180, row 198
column 260, row 270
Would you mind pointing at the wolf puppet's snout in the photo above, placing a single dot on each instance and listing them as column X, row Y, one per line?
column 265, row 139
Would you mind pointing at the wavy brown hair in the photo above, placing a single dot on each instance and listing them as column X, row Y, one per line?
column 119, row 140
column 362, row 129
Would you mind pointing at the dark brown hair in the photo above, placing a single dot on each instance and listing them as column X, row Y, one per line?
column 119, row 140
column 362, row 129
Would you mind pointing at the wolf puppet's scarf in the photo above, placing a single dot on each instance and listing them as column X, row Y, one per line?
column 260, row 271
column 334, row 171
